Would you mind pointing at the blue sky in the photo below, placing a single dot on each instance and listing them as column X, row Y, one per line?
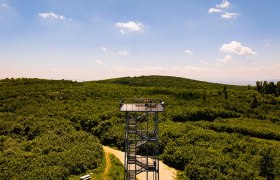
column 217, row 40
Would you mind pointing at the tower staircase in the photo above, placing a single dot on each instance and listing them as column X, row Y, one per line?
column 141, row 138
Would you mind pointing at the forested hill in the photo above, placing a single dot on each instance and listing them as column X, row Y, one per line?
column 164, row 81
column 54, row 129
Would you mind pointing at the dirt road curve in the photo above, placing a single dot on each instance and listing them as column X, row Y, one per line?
column 165, row 172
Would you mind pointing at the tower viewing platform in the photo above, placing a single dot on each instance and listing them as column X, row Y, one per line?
column 141, row 105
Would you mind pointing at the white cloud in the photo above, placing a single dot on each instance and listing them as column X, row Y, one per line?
column 54, row 16
column 225, row 15
column 51, row 15
column 104, row 49
column 99, row 62
column 214, row 10
column 188, row 52
column 226, row 59
column 235, row 47
column 228, row 15
column 225, row 4
column 130, row 26
column 123, row 53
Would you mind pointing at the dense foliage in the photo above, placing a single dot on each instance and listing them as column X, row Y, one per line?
column 54, row 129
column 36, row 143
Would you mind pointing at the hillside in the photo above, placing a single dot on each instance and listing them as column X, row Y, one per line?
column 55, row 128
column 164, row 81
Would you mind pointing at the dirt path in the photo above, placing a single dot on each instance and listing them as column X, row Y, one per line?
column 108, row 165
column 165, row 172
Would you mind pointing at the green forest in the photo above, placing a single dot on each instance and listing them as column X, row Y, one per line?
column 55, row 129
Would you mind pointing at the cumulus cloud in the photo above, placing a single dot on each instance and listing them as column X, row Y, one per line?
column 52, row 15
column 235, row 47
column 123, row 53
column 225, row 4
column 214, row 10
column 130, row 26
column 228, row 15
column 99, row 62
column 104, row 49
column 188, row 52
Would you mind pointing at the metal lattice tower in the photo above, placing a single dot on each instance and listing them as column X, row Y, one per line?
column 141, row 137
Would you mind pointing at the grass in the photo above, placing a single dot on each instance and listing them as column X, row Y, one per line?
column 115, row 172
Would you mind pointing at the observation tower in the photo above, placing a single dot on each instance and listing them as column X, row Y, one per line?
column 141, row 137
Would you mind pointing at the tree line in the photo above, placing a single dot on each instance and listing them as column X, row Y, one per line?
column 265, row 87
